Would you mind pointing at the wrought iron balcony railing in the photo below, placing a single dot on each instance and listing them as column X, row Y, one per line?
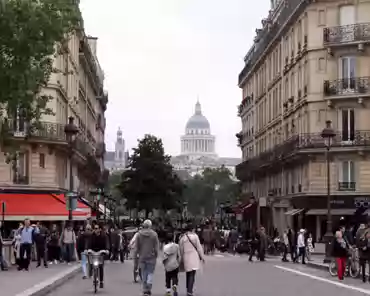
column 347, row 86
column 297, row 143
column 291, row 9
column 347, row 34
column 346, row 186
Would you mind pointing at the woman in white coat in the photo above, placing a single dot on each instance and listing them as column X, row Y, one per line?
column 192, row 256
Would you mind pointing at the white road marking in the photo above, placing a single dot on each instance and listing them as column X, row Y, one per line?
column 335, row 283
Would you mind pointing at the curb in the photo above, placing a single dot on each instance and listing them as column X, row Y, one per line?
column 50, row 284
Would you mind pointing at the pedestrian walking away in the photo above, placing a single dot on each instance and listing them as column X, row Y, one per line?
column 192, row 255
column 147, row 248
column 171, row 261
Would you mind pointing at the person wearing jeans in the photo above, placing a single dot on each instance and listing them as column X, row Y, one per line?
column 68, row 242
column 147, row 249
column 192, row 255
column 26, row 241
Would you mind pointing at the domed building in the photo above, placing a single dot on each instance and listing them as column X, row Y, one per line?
column 198, row 147
column 198, row 140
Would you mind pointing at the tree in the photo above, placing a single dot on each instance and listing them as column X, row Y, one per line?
column 150, row 182
column 213, row 187
column 32, row 33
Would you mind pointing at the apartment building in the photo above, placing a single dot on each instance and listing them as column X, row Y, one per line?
column 309, row 64
column 33, row 184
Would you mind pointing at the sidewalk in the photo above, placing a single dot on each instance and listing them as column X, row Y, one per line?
column 36, row 281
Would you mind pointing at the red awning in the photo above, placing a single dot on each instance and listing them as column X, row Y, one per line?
column 38, row 207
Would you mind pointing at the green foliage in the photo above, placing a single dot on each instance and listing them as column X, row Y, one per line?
column 31, row 32
column 150, row 182
column 210, row 189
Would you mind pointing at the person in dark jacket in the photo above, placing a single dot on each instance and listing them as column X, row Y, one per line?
column 40, row 242
column 114, row 243
column 340, row 253
column 98, row 242
column 53, row 245
column 364, row 251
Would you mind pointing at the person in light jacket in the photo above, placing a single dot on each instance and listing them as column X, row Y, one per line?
column 301, row 245
column 171, row 262
column 192, row 255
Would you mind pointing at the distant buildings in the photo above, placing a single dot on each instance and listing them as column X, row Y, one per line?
column 117, row 160
column 198, row 149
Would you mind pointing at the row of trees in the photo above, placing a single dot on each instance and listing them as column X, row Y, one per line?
column 151, row 183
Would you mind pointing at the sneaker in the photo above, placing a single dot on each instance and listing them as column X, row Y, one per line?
column 84, row 277
column 101, row 285
column 55, row 262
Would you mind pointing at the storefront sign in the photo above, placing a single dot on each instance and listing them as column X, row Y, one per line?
column 337, row 202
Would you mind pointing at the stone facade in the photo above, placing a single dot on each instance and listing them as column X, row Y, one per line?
column 42, row 162
column 308, row 65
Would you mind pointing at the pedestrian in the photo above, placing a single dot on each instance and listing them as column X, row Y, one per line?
column 17, row 245
column 2, row 260
column 340, row 253
column 253, row 245
column 233, row 239
column 192, row 255
column 54, row 245
column 115, row 241
column 286, row 246
column 171, row 262
column 262, row 244
column 40, row 243
column 26, row 241
column 68, row 242
column 147, row 249
column 292, row 244
column 301, row 246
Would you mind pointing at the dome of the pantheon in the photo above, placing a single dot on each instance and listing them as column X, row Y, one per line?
column 198, row 120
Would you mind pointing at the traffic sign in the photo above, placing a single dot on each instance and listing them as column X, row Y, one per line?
column 71, row 201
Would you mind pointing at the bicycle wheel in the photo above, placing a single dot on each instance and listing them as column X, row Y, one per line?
column 333, row 270
column 354, row 269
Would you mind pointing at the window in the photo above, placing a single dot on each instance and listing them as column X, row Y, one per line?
column 292, row 85
column 347, row 176
column 42, row 160
column 322, row 18
column 347, row 72
column 21, row 168
column 322, row 64
column 348, row 125
column 299, row 34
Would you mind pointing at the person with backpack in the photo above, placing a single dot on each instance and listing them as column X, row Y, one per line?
column 171, row 262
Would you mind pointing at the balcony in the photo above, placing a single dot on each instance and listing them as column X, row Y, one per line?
column 346, row 186
column 356, row 33
column 347, row 86
column 45, row 132
column 266, row 36
column 297, row 147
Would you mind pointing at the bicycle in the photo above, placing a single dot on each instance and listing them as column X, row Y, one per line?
column 96, row 259
column 352, row 265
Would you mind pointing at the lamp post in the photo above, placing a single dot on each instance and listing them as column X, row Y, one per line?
column 71, row 131
column 328, row 134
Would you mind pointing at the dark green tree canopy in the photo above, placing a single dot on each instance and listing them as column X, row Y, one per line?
column 32, row 32
column 150, row 182
column 209, row 190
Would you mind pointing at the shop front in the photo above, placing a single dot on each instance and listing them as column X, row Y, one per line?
column 314, row 211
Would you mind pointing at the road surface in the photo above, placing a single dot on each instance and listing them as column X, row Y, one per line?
column 228, row 276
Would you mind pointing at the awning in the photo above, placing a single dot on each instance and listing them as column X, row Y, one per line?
column 37, row 207
column 81, row 207
column 334, row 212
column 294, row 212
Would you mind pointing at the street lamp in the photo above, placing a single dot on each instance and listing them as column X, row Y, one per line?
column 71, row 130
column 328, row 134
column 222, row 206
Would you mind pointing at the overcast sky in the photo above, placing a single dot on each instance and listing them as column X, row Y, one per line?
column 159, row 55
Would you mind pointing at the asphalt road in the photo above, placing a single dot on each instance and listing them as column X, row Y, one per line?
column 228, row 276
